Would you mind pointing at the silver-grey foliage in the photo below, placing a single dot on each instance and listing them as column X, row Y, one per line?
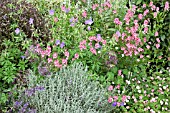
column 69, row 91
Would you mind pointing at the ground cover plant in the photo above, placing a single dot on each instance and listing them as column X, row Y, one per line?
column 125, row 45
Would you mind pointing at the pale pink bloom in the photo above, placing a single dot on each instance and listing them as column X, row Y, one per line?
column 119, row 72
column 55, row 55
column 144, row 5
column 55, row 19
column 117, row 21
column 140, row 97
column 153, row 7
column 56, row 63
column 157, row 39
column 84, row 1
column 124, row 98
column 136, row 52
column 115, row 98
column 110, row 88
column 64, row 61
column 148, row 47
column 140, row 16
column 66, row 53
column 155, row 14
column 76, row 56
column 145, row 12
column 141, row 56
column 140, row 49
column 118, row 104
column 157, row 46
column 151, row 3
column 93, row 50
column 145, row 22
column 100, row 10
column 156, row 33
column 144, row 39
column 84, row 14
column 73, row 59
column 110, row 99
column 97, row 45
column 166, row 6
column 49, row 60
column 114, row 11
column 103, row 42
column 94, row 6
column 118, row 86
column 157, row 9
column 145, row 30
column 43, row 53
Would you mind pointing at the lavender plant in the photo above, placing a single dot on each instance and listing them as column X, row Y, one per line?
column 68, row 91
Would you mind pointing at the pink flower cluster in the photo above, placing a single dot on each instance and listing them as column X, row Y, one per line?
column 97, row 40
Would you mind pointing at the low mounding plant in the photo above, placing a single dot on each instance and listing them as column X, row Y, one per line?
column 68, row 91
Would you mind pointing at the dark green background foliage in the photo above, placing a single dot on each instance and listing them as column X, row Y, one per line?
column 14, row 14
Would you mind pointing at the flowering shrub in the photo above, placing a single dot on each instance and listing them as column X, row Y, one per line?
column 125, row 46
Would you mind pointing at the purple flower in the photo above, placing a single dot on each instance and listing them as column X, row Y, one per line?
column 114, row 104
column 122, row 104
column 31, row 21
column 67, row 10
column 57, row 42
column 51, row 12
column 23, row 57
column 17, row 31
column 62, row 44
column 30, row 92
column 118, row 33
column 99, row 38
column 71, row 19
column 32, row 111
column 25, row 105
column 72, row 24
column 89, row 22
column 89, row 28
column 17, row 103
column 39, row 88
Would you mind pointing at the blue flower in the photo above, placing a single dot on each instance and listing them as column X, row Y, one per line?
column 114, row 104
column 62, row 44
column 17, row 103
column 23, row 57
column 88, row 28
column 89, row 22
column 71, row 19
column 57, row 42
column 31, row 21
column 99, row 38
column 122, row 104
column 17, row 30
column 51, row 12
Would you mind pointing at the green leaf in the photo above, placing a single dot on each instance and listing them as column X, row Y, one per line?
column 110, row 76
column 125, row 71
column 138, row 2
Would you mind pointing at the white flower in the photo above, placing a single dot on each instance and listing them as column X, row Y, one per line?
column 128, row 82
column 123, row 55
column 137, row 87
column 99, row 51
column 166, row 103
column 161, row 102
column 138, row 60
column 116, row 48
column 164, row 87
column 139, row 91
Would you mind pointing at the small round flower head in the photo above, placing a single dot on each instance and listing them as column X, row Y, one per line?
column 17, row 30
column 51, row 12
column 114, row 104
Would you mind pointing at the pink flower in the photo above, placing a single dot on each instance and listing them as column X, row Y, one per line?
column 157, row 9
column 156, row 33
column 155, row 14
column 56, row 63
column 118, row 86
column 151, row 3
column 146, row 22
column 157, row 39
column 166, row 6
column 110, row 88
column 114, row 11
column 84, row 14
column 116, row 21
column 119, row 72
column 110, row 99
column 140, row 16
column 66, row 53
column 93, row 50
column 141, row 56
column 49, row 60
column 115, row 98
column 55, row 19
column 76, row 56
column 144, row 5
column 144, row 39
column 103, row 42
column 157, row 46
column 153, row 7
column 118, row 104
column 55, row 55
column 145, row 30
column 123, row 98
column 64, row 61
column 43, row 53
column 145, row 12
